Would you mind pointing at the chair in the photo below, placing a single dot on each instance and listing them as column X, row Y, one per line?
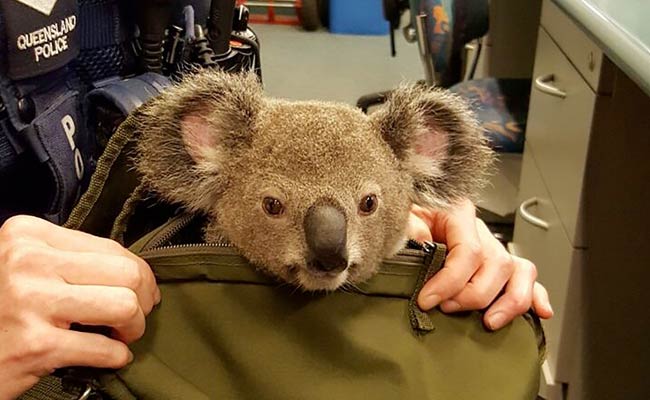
column 442, row 30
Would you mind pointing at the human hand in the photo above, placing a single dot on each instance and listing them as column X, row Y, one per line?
column 477, row 269
column 51, row 277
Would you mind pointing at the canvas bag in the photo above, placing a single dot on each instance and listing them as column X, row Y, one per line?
column 225, row 331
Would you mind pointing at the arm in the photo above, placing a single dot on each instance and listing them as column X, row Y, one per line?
column 477, row 269
column 51, row 277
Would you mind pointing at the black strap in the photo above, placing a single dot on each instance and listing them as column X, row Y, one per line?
column 52, row 388
column 10, row 148
column 128, row 94
column 104, row 32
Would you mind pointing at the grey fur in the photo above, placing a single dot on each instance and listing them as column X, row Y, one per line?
column 306, row 153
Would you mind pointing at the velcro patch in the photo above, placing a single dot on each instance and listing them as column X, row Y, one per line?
column 58, row 137
column 41, row 35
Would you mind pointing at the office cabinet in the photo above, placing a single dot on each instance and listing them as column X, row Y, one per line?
column 559, row 123
column 583, row 215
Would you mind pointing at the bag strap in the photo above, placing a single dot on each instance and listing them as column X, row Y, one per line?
column 114, row 180
column 103, row 201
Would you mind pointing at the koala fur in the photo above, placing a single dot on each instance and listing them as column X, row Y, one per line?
column 216, row 145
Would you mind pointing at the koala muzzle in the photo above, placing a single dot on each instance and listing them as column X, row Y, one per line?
column 326, row 234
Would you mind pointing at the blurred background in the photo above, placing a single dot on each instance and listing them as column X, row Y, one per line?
column 303, row 59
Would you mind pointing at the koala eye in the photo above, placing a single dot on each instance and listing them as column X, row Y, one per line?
column 272, row 206
column 368, row 204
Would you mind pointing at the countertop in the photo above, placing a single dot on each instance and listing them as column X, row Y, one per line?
column 621, row 28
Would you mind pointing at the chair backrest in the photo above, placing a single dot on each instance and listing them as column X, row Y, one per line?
column 447, row 26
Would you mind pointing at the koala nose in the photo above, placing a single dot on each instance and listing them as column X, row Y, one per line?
column 326, row 233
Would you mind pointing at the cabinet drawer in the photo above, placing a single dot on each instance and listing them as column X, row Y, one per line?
column 559, row 122
column 583, row 53
column 557, row 263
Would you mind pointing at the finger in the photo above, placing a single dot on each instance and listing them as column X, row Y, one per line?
column 541, row 302
column 65, row 239
column 115, row 307
column 77, row 241
column 59, row 237
column 417, row 229
column 517, row 298
column 449, row 226
column 497, row 266
column 436, row 221
column 88, row 350
column 88, row 269
column 483, row 288
column 457, row 228
column 462, row 261
column 108, row 270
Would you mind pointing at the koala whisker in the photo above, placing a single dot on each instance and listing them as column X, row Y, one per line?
column 347, row 289
column 281, row 285
column 297, row 286
column 350, row 287
column 293, row 283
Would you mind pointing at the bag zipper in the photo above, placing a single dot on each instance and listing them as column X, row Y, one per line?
column 413, row 248
column 417, row 247
column 168, row 232
column 427, row 253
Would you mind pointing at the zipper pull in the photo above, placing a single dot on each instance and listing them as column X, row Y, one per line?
column 79, row 382
column 433, row 261
column 429, row 248
column 90, row 394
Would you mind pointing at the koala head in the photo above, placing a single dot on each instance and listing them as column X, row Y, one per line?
column 313, row 193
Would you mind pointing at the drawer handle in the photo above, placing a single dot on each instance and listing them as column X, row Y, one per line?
column 543, row 85
column 528, row 217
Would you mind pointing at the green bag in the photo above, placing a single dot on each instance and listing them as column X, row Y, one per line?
column 225, row 331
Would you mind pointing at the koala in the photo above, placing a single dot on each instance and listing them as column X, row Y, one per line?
column 313, row 193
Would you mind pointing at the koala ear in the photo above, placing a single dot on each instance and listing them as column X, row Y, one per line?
column 192, row 131
column 438, row 141
column 198, row 140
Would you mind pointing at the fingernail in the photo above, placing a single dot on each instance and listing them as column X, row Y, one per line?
column 550, row 310
column 431, row 300
column 496, row 320
column 450, row 306
column 131, row 357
